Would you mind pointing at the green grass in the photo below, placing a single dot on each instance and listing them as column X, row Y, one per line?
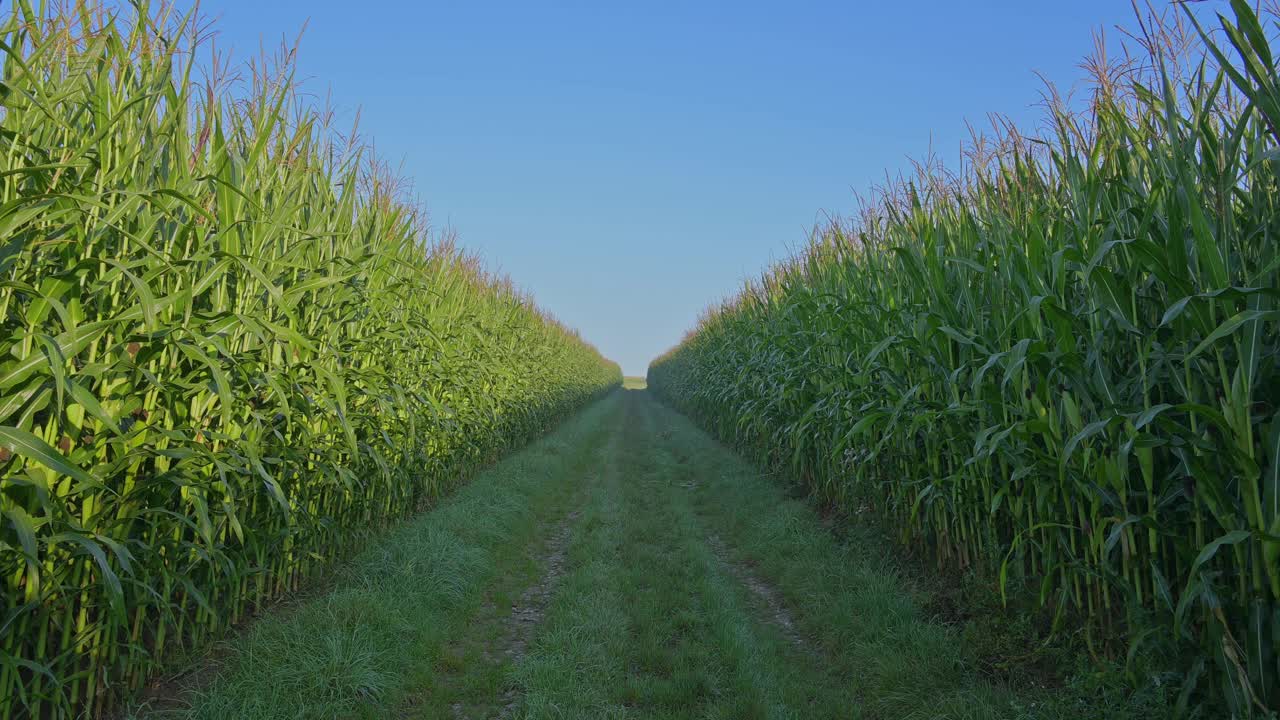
column 652, row 618
column 870, row 618
column 1056, row 369
column 390, row 622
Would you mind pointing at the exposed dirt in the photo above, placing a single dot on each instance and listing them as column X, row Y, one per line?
column 523, row 620
column 775, row 610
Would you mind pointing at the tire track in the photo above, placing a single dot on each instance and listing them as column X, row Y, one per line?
column 518, row 626
column 776, row 612
column 527, row 614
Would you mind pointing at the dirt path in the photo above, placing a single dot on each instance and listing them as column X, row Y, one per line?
column 625, row 567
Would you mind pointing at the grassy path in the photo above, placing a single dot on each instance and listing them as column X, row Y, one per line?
column 626, row 566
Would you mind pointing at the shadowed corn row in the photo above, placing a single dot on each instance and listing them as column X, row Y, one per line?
column 1060, row 366
column 227, row 351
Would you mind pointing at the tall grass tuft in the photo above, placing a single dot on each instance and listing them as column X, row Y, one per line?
column 1059, row 365
column 228, row 350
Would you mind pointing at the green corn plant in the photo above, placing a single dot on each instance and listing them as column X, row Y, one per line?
column 1058, row 368
column 229, row 350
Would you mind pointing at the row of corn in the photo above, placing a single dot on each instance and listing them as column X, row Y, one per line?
column 1059, row 366
column 228, row 350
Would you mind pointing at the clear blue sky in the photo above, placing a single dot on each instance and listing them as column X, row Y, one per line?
column 631, row 165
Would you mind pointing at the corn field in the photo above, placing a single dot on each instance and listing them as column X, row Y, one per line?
column 1058, row 365
column 230, row 350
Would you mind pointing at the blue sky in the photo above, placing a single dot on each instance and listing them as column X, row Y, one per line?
column 630, row 165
